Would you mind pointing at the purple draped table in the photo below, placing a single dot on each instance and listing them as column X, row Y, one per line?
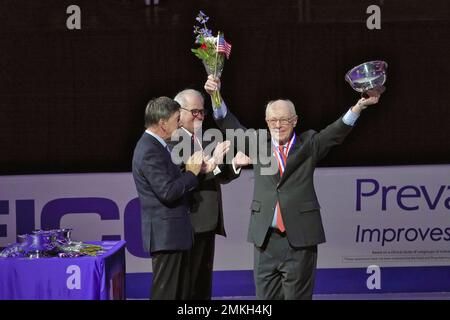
column 99, row 277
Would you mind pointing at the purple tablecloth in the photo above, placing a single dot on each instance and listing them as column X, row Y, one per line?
column 93, row 278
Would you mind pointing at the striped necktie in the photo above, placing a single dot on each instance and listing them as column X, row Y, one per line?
column 280, row 224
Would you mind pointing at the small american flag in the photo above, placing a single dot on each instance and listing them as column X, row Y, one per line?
column 223, row 46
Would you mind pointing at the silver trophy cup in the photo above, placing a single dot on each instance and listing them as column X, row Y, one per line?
column 367, row 76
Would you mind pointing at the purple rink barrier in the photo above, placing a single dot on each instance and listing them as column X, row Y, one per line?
column 394, row 217
column 84, row 278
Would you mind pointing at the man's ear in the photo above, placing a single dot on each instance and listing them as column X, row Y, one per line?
column 295, row 121
column 162, row 123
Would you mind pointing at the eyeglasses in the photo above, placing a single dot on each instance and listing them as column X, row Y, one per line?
column 283, row 122
column 196, row 112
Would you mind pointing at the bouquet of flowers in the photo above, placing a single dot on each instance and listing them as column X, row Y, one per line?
column 212, row 51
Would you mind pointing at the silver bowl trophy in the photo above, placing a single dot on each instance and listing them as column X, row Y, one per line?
column 40, row 243
column 368, row 76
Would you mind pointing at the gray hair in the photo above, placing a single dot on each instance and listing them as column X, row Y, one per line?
column 181, row 96
column 289, row 102
column 160, row 108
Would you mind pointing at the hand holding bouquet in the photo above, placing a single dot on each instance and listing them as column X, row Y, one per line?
column 212, row 52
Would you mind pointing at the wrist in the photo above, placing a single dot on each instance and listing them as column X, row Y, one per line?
column 357, row 108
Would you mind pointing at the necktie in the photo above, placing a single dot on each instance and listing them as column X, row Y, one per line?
column 280, row 224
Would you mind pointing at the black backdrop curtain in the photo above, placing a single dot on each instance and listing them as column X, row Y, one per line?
column 73, row 101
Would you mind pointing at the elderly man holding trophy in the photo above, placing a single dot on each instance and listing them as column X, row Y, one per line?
column 285, row 221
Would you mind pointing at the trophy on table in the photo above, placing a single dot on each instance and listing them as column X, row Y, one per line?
column 40, row 243
column 368, row 76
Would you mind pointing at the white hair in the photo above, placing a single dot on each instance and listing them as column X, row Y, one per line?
column 289, row 103
column 181, row 96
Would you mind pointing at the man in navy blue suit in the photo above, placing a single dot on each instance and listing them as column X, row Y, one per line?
column 163, row 189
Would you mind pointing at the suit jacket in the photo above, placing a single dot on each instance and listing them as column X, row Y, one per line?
column 294, row 191
column 205, row 201
column 162, row 190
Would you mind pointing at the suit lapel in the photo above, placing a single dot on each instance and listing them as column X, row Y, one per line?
column 275, row 178
column 292, row 160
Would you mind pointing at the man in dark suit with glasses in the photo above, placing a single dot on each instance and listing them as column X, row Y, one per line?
column 285, row 222
column 206, row 210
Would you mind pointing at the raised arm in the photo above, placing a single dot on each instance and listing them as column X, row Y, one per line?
column 336, row 132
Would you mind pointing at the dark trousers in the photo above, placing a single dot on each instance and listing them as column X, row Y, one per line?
column 283, row 272
column 201, row 265
column 171, row 279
